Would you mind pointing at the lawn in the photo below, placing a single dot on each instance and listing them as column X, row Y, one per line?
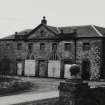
column 11, row 86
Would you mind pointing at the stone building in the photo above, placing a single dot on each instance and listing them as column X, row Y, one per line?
column 48, row 51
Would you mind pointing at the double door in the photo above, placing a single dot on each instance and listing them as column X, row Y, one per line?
column 30, row 68
column 42, row 68
column 54, row 68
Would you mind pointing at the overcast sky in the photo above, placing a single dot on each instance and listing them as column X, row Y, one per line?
column 17, row 15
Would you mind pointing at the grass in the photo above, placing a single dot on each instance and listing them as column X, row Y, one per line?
column 10, row 86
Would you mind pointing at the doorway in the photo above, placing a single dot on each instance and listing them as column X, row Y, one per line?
column 30, row 67
column 86, row 69
column 67, row 66
column 5, row 66
column 19, row 68
column 54, row 68
column 42, row 68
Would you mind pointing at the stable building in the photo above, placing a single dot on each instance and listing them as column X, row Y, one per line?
column 48, row 51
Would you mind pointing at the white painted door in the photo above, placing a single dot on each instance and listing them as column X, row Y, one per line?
column 29, row 67
column 54, row 68
column 19, row 68
column 67, row 73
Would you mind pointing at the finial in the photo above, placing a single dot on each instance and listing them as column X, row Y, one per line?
column 44, row 21
column 44, row 17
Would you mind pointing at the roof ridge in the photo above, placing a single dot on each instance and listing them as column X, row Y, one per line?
column 97, row 31
column 74, row 26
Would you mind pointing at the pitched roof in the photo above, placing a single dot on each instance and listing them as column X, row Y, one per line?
column 100, row 29
column 54, row 29
column 23, row 32
column 82, row 31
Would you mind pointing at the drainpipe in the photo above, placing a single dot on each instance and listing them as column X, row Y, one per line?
column 75, row 44
column 75, row 50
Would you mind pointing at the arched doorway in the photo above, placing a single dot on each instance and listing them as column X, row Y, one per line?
column 86, row 69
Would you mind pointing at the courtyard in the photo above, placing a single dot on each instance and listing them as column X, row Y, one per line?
column 42, row 88
column 42, row 84
column 28, row 85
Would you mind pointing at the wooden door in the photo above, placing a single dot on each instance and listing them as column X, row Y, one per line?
column 30, row 67
column 86, row 70
column 67, row 73
column 42, row 68
column 19, row 68
column 54, row 68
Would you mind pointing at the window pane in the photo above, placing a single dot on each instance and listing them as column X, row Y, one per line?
column 54, row 46
column 86, row 46
column 42, row 46
column 67, row 46
column 30, row 47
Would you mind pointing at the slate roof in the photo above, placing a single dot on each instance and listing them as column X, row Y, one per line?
column 82, row 31
column 23, row 32
column 101, row 30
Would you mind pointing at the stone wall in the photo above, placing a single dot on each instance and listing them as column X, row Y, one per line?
column 75, row 93
column 93, row 55
column 15, row 55
column 66, row 54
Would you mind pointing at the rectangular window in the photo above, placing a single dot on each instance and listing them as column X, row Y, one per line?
column 86, row 46
column 19, row 46
column 54, row 46
column 30, row 47
column 67, row 46
column 42, row 46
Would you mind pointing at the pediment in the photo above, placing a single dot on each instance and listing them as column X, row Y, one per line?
column 41, row 32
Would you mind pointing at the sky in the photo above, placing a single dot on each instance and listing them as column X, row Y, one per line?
column 17, row 15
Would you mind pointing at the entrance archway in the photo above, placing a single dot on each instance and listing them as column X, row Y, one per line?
column 86, row 69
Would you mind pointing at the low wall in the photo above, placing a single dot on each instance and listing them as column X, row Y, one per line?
column 79, row 93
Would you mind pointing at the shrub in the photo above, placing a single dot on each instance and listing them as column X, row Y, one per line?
column 75, row 69
column 14, row 87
